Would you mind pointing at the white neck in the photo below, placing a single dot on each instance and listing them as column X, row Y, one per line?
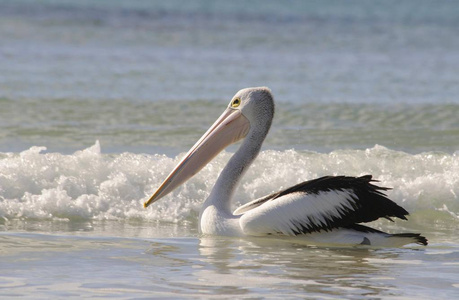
column 227, row 181
column 216, row 216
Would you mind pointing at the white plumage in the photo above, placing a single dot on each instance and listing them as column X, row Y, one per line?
column 283, row 215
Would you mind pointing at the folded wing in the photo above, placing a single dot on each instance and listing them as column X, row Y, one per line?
column 318, row 205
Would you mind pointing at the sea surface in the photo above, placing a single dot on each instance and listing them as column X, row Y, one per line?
column 100, row 99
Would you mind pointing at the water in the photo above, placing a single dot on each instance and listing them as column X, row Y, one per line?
column 99, row 100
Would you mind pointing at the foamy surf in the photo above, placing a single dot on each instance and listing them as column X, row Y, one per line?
column 91, row 185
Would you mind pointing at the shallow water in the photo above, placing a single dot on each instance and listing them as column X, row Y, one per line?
column 40, row 265
column 99, row 100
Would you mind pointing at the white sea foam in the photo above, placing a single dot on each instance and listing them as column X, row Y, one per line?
column 91, row 185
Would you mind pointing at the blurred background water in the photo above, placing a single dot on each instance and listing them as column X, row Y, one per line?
column 108, row 70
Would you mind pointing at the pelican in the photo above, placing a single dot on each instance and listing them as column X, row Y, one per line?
column 324, row 210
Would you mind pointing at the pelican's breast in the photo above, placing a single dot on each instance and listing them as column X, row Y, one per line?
column 214, row 221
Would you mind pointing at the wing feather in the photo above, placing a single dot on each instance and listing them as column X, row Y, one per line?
column 321, row 204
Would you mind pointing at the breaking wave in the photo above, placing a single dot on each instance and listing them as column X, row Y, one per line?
column 90, row 185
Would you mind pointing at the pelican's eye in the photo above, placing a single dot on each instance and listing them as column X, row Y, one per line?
column 236, row 102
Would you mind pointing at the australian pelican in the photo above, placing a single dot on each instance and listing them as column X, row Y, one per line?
column 324, row 210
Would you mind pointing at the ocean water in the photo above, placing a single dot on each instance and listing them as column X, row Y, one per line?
column 100, row 99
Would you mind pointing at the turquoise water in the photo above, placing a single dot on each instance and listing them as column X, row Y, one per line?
column 100, row 99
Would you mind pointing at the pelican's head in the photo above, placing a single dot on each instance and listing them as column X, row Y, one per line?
column 250, row 110
column 256, row 104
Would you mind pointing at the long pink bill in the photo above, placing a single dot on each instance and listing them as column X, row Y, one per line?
column 229, row 128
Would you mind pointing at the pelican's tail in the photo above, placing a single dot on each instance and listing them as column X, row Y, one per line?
column 357, row 234
column 401, row 239
column 373, row 237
